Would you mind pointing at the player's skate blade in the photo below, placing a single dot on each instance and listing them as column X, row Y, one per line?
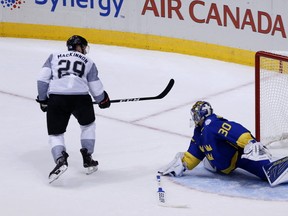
column 91, row 170
column 60, row 168
column 57, row 173
column 88, row 162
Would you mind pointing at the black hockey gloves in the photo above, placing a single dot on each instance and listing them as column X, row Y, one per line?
column 105, row 103
column 43, row 104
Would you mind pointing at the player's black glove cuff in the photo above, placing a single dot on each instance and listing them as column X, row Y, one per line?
column 43, row 104
column 105, row 103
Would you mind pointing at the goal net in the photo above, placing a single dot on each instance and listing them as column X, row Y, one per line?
column 271, row 98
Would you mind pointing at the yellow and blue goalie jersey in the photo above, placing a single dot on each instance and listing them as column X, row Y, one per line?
column 220, row 141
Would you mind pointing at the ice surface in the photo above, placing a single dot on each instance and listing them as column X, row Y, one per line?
column 133, row 139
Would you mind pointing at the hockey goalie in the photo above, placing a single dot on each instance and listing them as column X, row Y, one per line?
column 223, row 146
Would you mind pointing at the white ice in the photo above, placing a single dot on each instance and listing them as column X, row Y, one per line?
column 133, row 139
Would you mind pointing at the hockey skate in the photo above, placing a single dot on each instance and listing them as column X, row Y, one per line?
column 277, row 171
column 61, row 167
column 88, row 162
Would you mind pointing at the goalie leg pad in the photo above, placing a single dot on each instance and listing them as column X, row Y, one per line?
column 277, row 171
column 208, row 166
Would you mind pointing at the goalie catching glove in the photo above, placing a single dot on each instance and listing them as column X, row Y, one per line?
column 256, row 151
column 175, row 167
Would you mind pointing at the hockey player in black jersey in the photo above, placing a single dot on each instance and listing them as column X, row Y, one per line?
column 223, row 146
column 65, row 85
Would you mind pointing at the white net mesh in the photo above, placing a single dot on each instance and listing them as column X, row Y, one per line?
column 273, row 94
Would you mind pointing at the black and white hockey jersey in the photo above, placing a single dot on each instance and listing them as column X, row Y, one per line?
column 69, row 73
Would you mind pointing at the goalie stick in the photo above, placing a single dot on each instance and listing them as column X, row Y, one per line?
column 162, row 197
column 160, row 192
column 160, row 96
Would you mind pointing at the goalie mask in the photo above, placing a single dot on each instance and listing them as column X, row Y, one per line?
column 75, row 41
column 200, row 110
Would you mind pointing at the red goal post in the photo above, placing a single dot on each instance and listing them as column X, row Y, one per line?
column 271, row 97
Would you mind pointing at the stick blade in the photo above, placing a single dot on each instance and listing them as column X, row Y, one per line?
column 167, row 205
column 167, row 89
column 160, row 96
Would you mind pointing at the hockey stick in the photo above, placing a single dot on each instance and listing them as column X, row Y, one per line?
column 162, row 198
column 160, row 192
column 160, row 96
